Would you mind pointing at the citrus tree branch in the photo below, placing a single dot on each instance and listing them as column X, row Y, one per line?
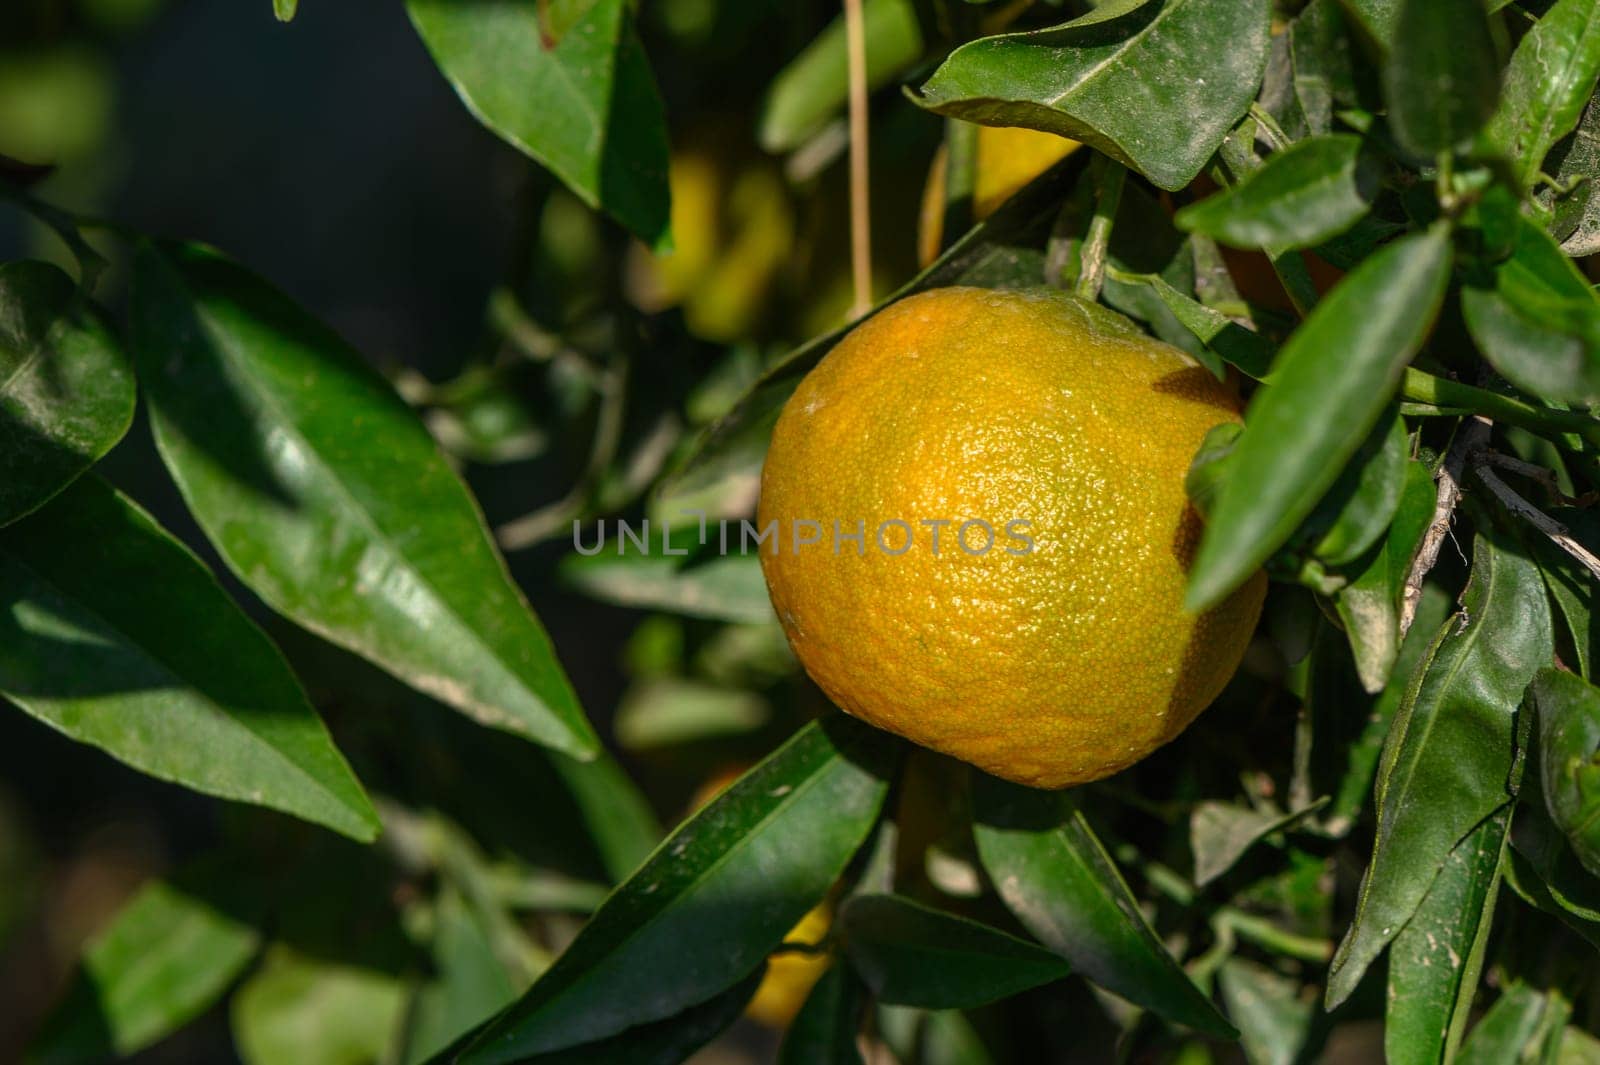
column 1515, row 504
column 1096, row 246
column 1471, row 437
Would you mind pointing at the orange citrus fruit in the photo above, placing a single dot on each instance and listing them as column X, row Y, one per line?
column 1005, row 159
column 979, row 537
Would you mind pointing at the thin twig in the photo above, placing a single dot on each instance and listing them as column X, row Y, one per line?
column 1531, row 470
column 860, row 204
column 1471, row 437
column 1557, row 532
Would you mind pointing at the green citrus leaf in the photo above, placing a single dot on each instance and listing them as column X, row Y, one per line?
column 1274, row 1019
column 1376, row 18
column 324, row 493
column 117, row 636
column 582, row 101
column 671, row 572
column 824, row 1031
column 1521, row 1023
column 296, row 1009
column 468, row 984
column 1369, row 606
column 66, row 390
column 1436, row 959
column 1319, row 51
column 1549, row 80
column 811, row 90
column 1449, row 759
column 1310, row 192
column 1057, row 879
column 1442, row 77
column 1576, row 163
column 912, row 955
column 1568, row 712
column 1352, row 785
column 712, row 901
column 167, row 955
column 1536, row 319
column 1330, row 385
column 616, row 815
column 1156, row 88
column 1220, row 833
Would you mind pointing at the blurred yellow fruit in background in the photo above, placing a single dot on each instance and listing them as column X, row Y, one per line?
column 1007, row 158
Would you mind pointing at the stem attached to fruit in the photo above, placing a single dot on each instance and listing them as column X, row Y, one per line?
column 1097, row 244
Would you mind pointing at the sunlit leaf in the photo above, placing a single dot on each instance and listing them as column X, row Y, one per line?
column 115, row 635
column 326, row 496
column 1330, row 384
column 1057, row 879
column 1549, row 80
column 297, row 1009
column 582, row 101
column 1300, row 197
column 1220, row 834
column 1156, row 88
column 712, row 901
column 66, row 390
column 1272, row 1017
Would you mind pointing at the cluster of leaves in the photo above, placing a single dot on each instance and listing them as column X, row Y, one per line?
column 1429, row 162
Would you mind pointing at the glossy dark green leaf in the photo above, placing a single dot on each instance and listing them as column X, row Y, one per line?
column 1549, row 80
column 1369, row 606
column 615, row 812
column 1442, row 77
column 468, row 982
column 1157, row 88
column 670, row 1041
column 1273, row 1018
column 1306, row 194
column 1226, row 339
column 1360, row 764
column 824, row 1031
column 1537, row 321
column 1435, row 961
column 66, row 391
column 1360, row 506
column 713, row 899
column 114, row 634
column 912, row 955
column 1220, row 833
column 1568, row 712
column 1055, row 876
column 325, row 494
column 1448, row 761
column 581, row 101
column 811, row 90
column 297, row 1008
column 167, row 955
column 999, row 252
column 1520, row 1021
column 1330, row 385
column 1576, row 163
